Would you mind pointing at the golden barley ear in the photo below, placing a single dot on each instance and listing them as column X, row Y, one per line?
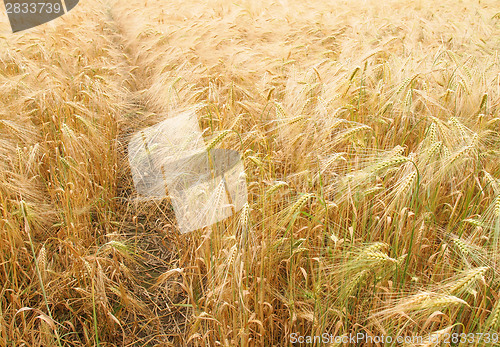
column 42, row 262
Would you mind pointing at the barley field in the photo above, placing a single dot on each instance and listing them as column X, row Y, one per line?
column 370, row 136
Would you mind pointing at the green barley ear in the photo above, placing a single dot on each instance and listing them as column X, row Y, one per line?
column 419, row 306
column 218, row 195
column 442, row 301
column 461, row 246
column 490, row 221
column 457, row 124
column 492, row 182
column 432, row 133
column 376, row 257
column 406, row 182
column 400, row 260
column 493, row 320
column 496, row 210
column 275, row 187
column 466, row 280
column 299, row 204
column 243, row 221
column 231, row 256
column 371, row 258
column 395, row 161
column 350, row 132
column 280, row 111
column 446, row 152
column 351, row 283
column 297, row 119
column 436, row 146
column 337, row 156
column 474, row 142
column 374, row 247
column 237, row 120
column 218, row 139
column 372, row 190
column 457, row 156
column 475, row 222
